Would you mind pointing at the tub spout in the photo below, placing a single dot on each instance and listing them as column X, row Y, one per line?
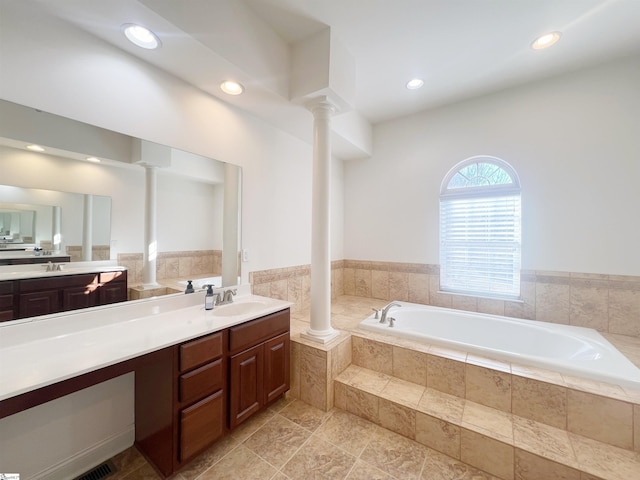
column 385, row 310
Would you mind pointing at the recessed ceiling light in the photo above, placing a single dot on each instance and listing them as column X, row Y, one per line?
column 231, row 88
column 546, row 40
column 141, row 36
column 415, row 83
column 35, row 148
column 93, row 159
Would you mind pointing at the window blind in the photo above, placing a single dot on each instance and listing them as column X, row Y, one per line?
column 480, row 244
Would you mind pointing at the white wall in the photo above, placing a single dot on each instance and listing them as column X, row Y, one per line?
column 574, row 141
column 63, row 70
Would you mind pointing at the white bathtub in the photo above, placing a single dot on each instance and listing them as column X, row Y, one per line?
column 576, row 351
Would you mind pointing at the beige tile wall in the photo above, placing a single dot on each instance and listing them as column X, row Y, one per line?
column 608, row 303
column 98, row 252
column 293, row 284
column 192, row 263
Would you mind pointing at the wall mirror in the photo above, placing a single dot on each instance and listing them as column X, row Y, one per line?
column 193, row 206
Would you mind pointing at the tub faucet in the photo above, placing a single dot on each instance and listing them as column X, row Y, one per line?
column 385, row 310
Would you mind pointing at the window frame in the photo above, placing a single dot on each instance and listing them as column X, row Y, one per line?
column 493, row 191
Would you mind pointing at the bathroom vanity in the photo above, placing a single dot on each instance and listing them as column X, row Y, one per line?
column 30, row 293
column 201, row 389
column 198, row 373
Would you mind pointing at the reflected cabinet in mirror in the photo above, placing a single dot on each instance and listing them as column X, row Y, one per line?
column 83, row 194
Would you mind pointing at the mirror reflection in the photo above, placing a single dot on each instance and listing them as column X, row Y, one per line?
column 27, row 224
column 197, row 204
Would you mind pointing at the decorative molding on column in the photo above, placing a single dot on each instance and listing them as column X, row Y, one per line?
column 320, row 329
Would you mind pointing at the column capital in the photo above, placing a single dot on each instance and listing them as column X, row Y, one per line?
column 320, row 105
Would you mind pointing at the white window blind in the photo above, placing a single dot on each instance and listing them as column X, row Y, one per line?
column 480, row 231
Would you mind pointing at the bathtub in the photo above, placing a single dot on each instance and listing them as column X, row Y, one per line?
column 577, row 351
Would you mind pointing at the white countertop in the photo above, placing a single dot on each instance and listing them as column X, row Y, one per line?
column 38, row 270
column 45, row 350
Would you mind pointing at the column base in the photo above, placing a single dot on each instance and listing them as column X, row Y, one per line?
column 324, row 336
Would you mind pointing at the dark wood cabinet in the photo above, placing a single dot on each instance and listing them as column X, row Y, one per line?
column 32, row 304
column 196, row 392
column 259, row 372
column 201, row 424
column 181, row 402
column 112, row 288
column 45, row 295
column 246, row 384
column 276, row 367
column 7, row 309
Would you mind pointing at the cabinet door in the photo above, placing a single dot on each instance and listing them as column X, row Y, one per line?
column 113, row 287
column 38, row 303
column 6, row 301
column 276, row 367
column 77, row 297
column 246, row 385
column 200, row 425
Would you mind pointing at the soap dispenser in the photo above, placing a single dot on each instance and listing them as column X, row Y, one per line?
column 208, row 298
column 189, row 288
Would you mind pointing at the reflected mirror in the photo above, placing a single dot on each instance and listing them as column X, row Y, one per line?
column 53, row 221
column 46, row 196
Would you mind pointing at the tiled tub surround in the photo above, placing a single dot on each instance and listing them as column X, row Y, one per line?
column 174, row 265
column 607, row 303
column 293, row 284
column 508, row 420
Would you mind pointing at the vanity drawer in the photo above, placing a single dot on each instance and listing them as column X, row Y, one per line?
column 200, row 351
column 200, row 425
column 252, row 333
column 201, row 381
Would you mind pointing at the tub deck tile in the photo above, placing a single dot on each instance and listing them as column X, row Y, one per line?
column 480, row 435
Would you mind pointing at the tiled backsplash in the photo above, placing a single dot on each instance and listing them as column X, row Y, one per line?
column 98, row 252
column 608, row 303
column 174, row 264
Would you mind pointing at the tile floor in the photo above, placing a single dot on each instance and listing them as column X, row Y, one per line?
column 292, row 440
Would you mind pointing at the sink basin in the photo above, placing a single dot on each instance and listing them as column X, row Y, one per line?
column 243, row 308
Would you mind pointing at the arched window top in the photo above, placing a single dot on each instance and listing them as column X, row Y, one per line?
column 479, row 174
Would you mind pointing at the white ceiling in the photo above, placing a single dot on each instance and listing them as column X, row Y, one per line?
column 461, row 48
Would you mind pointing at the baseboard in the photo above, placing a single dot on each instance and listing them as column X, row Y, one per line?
column 87, row 459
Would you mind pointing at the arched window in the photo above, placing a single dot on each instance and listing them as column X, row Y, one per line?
column 480, row 229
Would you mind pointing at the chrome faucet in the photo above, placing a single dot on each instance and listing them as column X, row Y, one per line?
column 228, row 296
column 385, row 310
column 52, row 267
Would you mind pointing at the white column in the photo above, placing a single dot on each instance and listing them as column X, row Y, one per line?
column 150, row 235
column 87, row 229
column 56, row 229
column 320, row 329
column 230, row 225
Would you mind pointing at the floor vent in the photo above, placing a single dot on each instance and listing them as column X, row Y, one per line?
column 101, row 471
